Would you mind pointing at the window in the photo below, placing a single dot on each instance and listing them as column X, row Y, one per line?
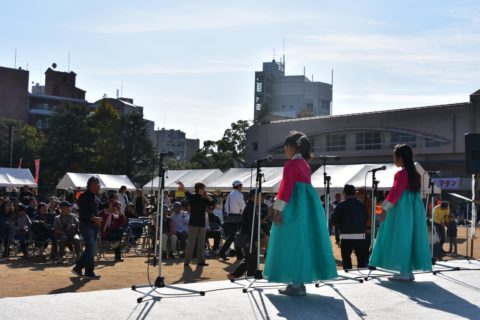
column 403, row 138
column 368, row 140
column 429, row 143
column 335, row 142
column 325, row 104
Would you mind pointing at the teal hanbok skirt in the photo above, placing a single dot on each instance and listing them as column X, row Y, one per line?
column 402, row 243
column 300, row 250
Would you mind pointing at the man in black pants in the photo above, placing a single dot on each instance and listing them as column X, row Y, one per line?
column 88, row 206
column 249, row 262
column 351, row 217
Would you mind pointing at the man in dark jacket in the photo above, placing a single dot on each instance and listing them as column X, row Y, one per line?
column 351, row 218
column 249, row 262
column 89, row 226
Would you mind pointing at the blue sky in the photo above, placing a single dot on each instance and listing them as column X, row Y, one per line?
column 191, row 63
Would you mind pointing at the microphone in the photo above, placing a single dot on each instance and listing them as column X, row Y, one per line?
column 325, row 158
column 169, row 153
column 267, row 159
column 378, row 169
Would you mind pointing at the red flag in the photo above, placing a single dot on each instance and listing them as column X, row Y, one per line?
column 37, row 169
column 20, row 163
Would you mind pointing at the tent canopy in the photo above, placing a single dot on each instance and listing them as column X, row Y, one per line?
column 270, row 183
column 359, row 176
column 107, row 181
column 15, row 178
column 187, row 177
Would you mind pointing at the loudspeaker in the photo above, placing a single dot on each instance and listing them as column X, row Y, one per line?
column 472, row 153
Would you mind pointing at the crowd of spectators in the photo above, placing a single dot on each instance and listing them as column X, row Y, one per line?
column 28, row 225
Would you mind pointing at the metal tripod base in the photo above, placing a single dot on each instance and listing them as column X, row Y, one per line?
column 160, row 283
column 257, row 276
column 341, row 278
column 371, row 269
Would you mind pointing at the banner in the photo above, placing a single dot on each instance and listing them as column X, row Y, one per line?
column 447, row 183
column 37, row 169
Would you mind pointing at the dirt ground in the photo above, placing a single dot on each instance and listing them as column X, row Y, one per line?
column 38, row 275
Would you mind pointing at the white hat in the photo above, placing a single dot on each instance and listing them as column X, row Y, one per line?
column 236, row 183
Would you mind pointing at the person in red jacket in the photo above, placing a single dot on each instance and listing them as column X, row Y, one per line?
column 113, row 223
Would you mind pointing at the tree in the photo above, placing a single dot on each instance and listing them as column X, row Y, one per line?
column 105, row 129
column 227, row 152
column 27, row 143
column 69, row 146
column 136, row 150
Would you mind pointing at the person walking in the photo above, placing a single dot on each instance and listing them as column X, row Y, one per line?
column 88, row 206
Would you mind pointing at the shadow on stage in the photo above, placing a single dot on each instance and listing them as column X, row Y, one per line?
column 311, row 306
column 430, row 295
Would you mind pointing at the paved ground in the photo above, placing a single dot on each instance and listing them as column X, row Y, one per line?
column 448, row 295
column 36, row 276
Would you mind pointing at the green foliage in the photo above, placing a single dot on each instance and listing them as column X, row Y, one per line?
column 105, row 129
column 27, row 143
column 135, row 149
column 69, row 146
column 227, row 152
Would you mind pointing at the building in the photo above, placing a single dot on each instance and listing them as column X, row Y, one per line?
column 278, row 96
column 176, row 141
column 436, row 134
column 126, row 106
column 14, row 94
column 33, row 108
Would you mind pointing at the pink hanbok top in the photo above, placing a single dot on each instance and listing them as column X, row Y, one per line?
column 400, row 184
column 295, row 170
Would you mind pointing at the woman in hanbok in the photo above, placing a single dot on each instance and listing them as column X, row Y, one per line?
column 402, row 245
column 299, row 250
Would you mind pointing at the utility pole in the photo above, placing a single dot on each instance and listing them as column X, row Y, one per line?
column 11, row 145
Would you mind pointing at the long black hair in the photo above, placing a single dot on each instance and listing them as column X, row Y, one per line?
column 406, row 153
column 300, row 143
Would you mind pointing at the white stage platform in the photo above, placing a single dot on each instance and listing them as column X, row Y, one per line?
column 446, row 295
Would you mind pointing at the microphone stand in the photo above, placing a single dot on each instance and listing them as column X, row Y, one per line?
column 326, row 189
column 256, row 213
column 160, row 279
column 374, row 222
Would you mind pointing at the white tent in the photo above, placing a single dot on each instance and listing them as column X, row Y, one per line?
column 360, row 176
column 14, row 178
column 270, row 183
column 187, row 177
column 107, row 181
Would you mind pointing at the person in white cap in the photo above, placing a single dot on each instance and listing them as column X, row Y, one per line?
column 234, row 206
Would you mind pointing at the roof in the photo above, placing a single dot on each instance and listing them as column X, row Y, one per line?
column 460, row 104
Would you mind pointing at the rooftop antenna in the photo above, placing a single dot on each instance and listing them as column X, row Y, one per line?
column 15, row 65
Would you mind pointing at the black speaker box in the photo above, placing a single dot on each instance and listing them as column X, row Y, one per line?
column 472, row 153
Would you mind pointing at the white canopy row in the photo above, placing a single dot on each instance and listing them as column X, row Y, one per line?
column 187, row 177
column 15, row 178
column 355, row 174
column 107, row 181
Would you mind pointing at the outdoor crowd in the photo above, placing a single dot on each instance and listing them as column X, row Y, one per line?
column 192, row 222
column 27, row 224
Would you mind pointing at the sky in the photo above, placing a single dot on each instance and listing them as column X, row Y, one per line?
column 191, row 64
